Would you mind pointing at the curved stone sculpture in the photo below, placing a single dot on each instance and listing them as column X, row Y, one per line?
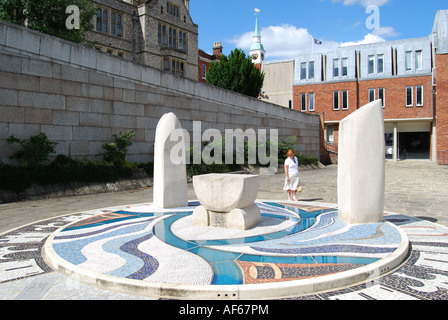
column 170, row 179
column 227, row 200
column 361, row 166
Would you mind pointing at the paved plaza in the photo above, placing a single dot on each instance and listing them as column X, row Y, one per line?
column 416, row 192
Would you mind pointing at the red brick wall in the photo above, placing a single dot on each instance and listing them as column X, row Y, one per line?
column 442, row 108
column 395, row 96
column 358, row 96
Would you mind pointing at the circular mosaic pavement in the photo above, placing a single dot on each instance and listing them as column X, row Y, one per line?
column 298, row 248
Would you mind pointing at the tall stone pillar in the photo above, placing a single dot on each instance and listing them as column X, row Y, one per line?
column 361, row 165
column 170, row 177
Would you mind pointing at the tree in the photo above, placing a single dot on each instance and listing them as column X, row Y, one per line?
column 48, row 16
column 237, row 73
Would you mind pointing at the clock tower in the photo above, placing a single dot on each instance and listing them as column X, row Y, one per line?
column 257, row 51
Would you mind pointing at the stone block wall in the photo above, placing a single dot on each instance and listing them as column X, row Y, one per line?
column 80, row 97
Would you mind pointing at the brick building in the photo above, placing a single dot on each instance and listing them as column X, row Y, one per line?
column 409, row 76
column 204, row 60
column 156, row 33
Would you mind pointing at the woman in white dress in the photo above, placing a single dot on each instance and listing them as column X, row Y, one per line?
column 292, row 175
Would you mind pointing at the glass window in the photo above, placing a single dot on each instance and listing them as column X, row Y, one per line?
column 380, row 63
column 336, row 100
column 303, row 102
column 311, row 70
column 311, row 103
column 105, row 21
column 418, row 60
column 330, row 133
column 113, row 23
column 174, row 39
column 371, row 95
column 119, row 26
column 303, row 70
column 204, row 70
column 99, row 20
column 159, row 34
column 409, row 97
column 335, row 67
column 381, row 92
column 166, row 64
column 419, row 101
column 344, row 100
column 371, row 64
column 344, row 66
column 164, row 36
column 408, row 60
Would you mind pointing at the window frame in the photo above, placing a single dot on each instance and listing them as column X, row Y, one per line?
column 411, row 95
column 417, row 96
column 311, row 106
column 382, row 96
column 344, row 69
column 372, row 90
column 418, row 60
column 336, row 104
column 303, row 102
column 408, row 60
column 311, row 69
column 371, row 64
column 335, row 68
column 303, row 70
column 380, row 57
column 344, row 99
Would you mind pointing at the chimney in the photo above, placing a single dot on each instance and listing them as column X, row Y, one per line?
column 217, row 49
column 187, row 4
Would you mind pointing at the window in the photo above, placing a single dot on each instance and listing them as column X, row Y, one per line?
column 172, row 9
column 336, row 100
column 204, row 71
column 409, row 97
column 330, row 133
column 418, row 60
column 311, row 70
column 335, row 67
column 116, row 28
column 344, row 66
column 344, row 100
column 303, row 70
column 381, row 92
column 182, row 41
column 419, row 101
column 371, row 66
column 371, row 95
column 303, row 102
column 380, row 63
column 408, row 60
column 99, row 19
column 166, row 64
column 105, row 21
column 311, row 103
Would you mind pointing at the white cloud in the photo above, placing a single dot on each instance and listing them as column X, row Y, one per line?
column 385, row 31
column 368, row 38
column 284, row 42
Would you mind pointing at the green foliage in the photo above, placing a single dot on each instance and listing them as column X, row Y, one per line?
column 115, row 152
column 237, row 73
column 48, row 16
column 63, row 170
column 34, row 150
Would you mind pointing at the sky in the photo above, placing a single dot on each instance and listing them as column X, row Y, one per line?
column 288, row 26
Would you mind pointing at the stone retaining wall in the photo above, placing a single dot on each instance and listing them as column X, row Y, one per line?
column 80, row 97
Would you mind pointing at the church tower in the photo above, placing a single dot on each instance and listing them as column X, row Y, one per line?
column 257, row 51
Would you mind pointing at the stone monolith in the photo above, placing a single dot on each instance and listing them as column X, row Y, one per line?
column 170, row 177
column 361, row 166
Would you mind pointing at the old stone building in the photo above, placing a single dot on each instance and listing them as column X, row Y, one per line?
column 156, row 33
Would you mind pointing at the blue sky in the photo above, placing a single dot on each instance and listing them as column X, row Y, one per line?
column 288, row 26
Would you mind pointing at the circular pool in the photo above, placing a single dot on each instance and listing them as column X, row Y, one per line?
column 298, row 248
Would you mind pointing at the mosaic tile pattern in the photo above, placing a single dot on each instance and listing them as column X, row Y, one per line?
column 423, row 276
column 118, row 244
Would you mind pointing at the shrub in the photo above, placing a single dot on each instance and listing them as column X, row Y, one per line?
column 34, row 150
column 115, row 152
